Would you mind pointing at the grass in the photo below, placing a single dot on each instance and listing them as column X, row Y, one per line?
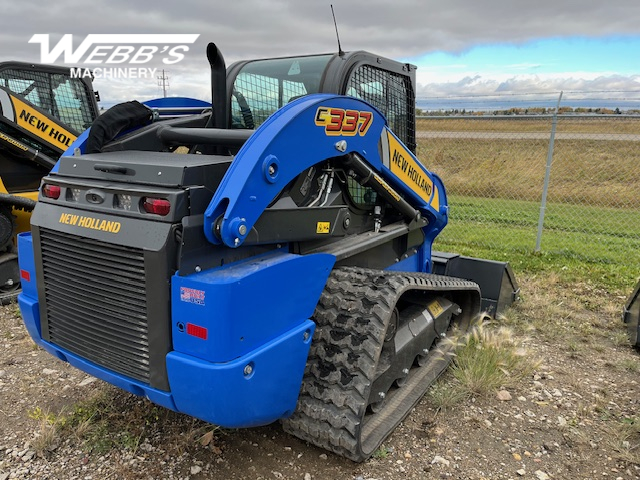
column 587, row 172
column 624, row 439
column 382, row 452
column 97, row 425
column 566, row 124
column 47, row 435
column 592, row 218
column 578, row 242
column 486, row 359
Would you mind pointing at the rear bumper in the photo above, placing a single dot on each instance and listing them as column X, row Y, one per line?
column 227, row 394
column 255, row 389
column 258, row 386
column 30, row 310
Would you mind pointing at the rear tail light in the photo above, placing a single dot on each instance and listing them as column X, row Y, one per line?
column 159, row 206
column 51, row 191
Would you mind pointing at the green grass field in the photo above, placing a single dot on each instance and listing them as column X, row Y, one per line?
column 592, row 220
column 566, row 123
column 579, row 243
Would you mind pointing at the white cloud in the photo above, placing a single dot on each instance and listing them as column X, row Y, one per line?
column 255, row 28
column 539, row 88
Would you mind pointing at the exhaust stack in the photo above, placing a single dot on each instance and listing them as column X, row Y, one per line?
column 218, row 87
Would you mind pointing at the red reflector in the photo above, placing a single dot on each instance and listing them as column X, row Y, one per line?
column 51, row 191
column 159, row 206
column 24, row 275
column 196, row 331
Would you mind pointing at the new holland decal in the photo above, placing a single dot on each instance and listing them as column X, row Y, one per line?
column 38, row 124
column 90, row 222
column 406, row 168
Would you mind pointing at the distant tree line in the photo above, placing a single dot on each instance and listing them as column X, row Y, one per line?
column 526, row 111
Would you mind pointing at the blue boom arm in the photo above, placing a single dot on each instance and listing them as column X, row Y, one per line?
column 302, row 134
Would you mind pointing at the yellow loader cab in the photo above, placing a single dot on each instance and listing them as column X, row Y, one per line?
column 42, row 111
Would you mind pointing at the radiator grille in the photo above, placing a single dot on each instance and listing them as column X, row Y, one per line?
column 96, row 301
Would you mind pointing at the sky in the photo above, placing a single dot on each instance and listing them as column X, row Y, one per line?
column 461, row 47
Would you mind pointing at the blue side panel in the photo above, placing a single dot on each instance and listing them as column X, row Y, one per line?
column 411, row 264
column 80, row 142
column 244, row 305
column 29, row 309
column 27, row 263
column 28, row 299
column 253, row 390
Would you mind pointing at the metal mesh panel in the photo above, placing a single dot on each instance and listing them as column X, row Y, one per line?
column 263, row 86
column 95, row 301
column 57, row 94
column 494, row 166
column 390, row 93
column 363, row 197
column 258, row 96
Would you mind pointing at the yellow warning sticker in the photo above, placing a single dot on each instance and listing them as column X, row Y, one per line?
column 323, row 227
column 435, row 309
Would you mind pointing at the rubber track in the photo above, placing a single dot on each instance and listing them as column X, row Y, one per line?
column 352, row 316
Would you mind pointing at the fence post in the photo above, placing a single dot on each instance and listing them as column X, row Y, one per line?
column 547, row 174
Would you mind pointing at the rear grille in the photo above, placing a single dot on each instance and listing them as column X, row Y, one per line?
column 96, row 301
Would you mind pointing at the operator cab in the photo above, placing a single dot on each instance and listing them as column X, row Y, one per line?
column 258, row 88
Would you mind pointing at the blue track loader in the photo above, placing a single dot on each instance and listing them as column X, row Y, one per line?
column 267, row 260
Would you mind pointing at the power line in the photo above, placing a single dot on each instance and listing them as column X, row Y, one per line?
column 163, row 81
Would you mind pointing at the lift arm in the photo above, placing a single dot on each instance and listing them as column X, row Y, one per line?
column 302, row 134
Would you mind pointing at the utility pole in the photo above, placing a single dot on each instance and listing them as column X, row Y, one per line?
column 163, row 81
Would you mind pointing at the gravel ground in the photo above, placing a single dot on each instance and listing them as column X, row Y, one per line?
column 572, row 419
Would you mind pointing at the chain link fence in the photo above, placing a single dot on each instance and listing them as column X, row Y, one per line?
column 494, row 168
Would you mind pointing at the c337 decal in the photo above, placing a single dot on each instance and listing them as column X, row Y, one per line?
column 90, row 222
column 337, row 121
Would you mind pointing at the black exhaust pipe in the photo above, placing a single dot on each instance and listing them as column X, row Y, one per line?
column 219, row 98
